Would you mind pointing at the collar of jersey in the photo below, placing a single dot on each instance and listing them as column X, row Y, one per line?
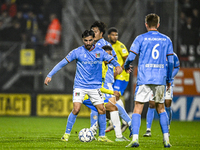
column 92, row 48
column 100, row 39
column 153, row 30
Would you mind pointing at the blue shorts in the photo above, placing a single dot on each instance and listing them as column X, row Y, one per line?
column 120, row 85
column 89, row 104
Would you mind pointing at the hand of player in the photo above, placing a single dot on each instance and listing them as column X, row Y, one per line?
column 116, row 93
column 129, row 69
column 118, row 70
column 168, row 85
column 47, row 80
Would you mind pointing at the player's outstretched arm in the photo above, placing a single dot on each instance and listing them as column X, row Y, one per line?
column 47, row 80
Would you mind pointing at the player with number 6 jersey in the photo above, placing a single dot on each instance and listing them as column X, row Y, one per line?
column 154, row 72
column 153, row 48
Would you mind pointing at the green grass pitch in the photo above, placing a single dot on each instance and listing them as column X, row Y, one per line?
column 18, row 133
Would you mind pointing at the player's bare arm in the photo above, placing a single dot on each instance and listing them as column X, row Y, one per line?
column 47, row 80
column 124, row 59
column 118, row 70
column 117, row 93
column 168, row 85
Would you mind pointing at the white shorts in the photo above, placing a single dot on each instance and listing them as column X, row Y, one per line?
column 169, row 93
column 143, row 93
column 95, row 95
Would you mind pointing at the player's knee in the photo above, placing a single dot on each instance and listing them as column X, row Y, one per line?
column 167, row 103
column 102, row 110
column 160, row 108
column 76, row 110
column 111, row 107
column 151, row 104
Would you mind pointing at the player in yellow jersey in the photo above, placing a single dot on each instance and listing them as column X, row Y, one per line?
column 121, row 80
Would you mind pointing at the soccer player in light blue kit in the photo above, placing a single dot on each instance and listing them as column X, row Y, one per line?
column 153, row 74
column 99, row 29
column 110, row 99
column 168, row 100
column 88, row 80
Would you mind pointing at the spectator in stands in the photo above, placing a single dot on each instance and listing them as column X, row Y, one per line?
column 189, row 34
column 196, row 18
column 53, row 34
column 182, row 19
column 187, row 7
column 14, row 33
column 19, row 18
column 10, row 7
column 54, row 31
column 6, row 19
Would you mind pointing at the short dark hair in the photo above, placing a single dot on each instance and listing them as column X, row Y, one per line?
column 152, row 20
column 100, row 25
column 112, row 29
column 87, row 33
column 107, row 48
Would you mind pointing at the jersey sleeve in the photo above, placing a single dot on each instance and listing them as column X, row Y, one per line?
column 113, row 51
column 71, row 56
column 110, row 59
column 106, row 91
column 176, row 61
column 61, row 64
column 170, row 48
column 135, row 47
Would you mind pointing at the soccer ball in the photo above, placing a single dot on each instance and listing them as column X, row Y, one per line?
column 86, row 135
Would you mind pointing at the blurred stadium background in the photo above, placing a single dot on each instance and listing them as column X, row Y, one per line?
column 25, row 57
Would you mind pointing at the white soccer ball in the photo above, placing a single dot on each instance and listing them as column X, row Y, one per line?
column 86, row 135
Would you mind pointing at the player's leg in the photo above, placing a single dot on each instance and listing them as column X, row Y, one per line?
column 168, row 101
column 160, row 108
column 123, row 114
column 93, row 117
column 98, row 101
column 94, row 126
column 149, row 118
column 142, row 94
column 78, row 96
column 114, row 116
column 136, row 121
column 71, row 120
column 121, row 86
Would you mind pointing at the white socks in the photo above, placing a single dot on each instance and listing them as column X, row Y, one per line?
column 114, row 116
column 166, row 137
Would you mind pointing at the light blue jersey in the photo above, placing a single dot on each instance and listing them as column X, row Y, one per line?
column 89, row 66
column 109, row 75
column 153, row 49
column 102, row 42
column 176, row 68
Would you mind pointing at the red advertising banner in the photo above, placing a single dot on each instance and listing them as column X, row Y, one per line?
column 186, row 82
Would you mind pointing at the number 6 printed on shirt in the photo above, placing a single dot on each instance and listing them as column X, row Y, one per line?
column 155, row 51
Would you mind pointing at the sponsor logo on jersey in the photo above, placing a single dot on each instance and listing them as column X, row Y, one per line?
column 123, row 50
column 154, row 65
column 97, row 55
